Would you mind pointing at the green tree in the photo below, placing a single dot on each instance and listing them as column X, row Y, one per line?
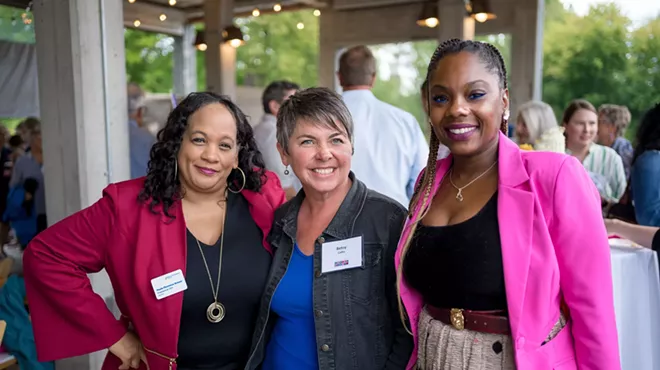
column 587, row 57
column 645, row 75
column 149, row 59
column 277, row 49
column 16, row 25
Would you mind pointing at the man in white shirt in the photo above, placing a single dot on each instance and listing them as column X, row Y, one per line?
column 390, row 148
column 265, row 134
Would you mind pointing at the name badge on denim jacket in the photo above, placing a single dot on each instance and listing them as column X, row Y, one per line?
column 341, row 255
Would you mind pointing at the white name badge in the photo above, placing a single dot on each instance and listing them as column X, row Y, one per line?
column 341, row 255
column 169, row 284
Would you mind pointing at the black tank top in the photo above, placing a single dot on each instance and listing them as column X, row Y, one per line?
column 459, row 266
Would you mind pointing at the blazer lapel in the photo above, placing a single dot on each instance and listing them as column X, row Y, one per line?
column 516, row 217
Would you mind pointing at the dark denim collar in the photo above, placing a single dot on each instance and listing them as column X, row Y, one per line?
column 341, row 226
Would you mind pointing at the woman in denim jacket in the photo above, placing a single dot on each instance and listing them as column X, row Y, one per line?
column 645, row 175
column 330, row 301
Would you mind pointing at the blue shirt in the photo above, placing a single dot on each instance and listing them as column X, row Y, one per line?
column 645, row 190
column 23, row 222
column 293, row 342
column 140, row 141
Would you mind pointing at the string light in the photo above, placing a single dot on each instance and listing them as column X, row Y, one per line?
column 131, row 1
column 277, row 7
column 256, row 12
column 162, row 17
column 201, row 47
column 300, row 25
column 317, row 12
column 137, row 23
column 481, row 17
column 172, row 2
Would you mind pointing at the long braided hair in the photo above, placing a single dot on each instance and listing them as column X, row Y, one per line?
column 492, row 59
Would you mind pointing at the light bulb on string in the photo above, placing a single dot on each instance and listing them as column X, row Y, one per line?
column 277, row 7
column 317, row 12
column 256, row 12
column 137, row 23
column 300, row 25
column 131, row 1
column 481, row 17
column 162, row 17
column 172, row 2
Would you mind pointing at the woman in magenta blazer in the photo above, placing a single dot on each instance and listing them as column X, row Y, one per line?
column 504, row 261
column 184, row 247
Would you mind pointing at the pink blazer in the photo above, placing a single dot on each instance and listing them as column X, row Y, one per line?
column 554, row 245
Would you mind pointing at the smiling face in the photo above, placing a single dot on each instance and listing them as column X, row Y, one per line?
column 209, row 150
column 581, row 129
column 467, row 104
column 319, row 155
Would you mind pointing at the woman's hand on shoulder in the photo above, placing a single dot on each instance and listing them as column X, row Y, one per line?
column 130, row 351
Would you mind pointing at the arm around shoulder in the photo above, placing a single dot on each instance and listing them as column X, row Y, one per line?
column 272, row 190
column 69, row 318
column 583, row 255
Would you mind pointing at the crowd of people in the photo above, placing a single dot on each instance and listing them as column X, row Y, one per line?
column 333, row 236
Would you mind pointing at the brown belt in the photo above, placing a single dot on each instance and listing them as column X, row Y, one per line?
column 493, row 322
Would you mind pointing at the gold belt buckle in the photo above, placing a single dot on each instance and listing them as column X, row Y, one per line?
column 457, row 319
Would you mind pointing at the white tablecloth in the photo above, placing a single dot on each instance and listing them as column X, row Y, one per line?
column 637, row 304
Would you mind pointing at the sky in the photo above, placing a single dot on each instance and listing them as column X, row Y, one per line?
column 637, row 10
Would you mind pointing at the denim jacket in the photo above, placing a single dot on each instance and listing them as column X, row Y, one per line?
column 355, row 310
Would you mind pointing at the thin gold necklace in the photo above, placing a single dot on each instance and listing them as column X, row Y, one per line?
column 459, row 195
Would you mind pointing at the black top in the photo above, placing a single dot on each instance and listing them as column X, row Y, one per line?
column 245, row 266
column 459, row 266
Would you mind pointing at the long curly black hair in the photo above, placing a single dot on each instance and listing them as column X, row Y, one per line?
column 648, row 133
column 162, row 186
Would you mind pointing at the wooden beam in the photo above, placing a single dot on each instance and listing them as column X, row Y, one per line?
column 148, row 15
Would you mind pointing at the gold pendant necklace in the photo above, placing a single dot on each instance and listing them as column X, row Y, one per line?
column 459, row 195
column 216, row 310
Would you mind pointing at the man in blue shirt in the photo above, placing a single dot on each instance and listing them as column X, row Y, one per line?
column 140, row 140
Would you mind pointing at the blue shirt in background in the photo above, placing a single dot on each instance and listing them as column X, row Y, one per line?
column 293, row 342
column 645, row 190
column 140, row 141
column 23, row 222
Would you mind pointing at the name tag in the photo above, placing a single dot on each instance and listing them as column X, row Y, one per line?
column 169, row 284
column 341, row 255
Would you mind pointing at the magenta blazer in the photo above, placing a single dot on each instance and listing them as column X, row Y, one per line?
column 554, row 245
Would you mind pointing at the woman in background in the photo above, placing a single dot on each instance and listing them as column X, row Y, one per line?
column 604, row 165
column 537, row 128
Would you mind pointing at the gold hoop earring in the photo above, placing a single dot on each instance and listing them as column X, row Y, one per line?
column 244, row 182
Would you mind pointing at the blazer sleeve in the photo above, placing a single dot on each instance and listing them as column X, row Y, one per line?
column 273, row 191
column 69, row 319
column 583, row 256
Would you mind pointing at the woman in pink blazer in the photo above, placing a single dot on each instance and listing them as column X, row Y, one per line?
column 504, row 261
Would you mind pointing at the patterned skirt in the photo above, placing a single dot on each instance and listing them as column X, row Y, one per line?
column 442, row 347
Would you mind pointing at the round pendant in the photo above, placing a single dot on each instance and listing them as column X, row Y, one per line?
column 216, row 312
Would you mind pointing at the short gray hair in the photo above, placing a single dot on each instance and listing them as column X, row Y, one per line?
column 318, row 105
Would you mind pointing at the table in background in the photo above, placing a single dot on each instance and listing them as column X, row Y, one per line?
column 636, row 280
